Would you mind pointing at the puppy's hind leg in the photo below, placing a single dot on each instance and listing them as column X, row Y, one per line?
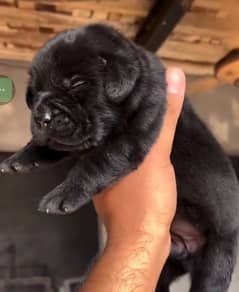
column 171, row 271
column 213, row 268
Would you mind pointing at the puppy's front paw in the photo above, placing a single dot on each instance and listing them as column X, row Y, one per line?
column 60, row 201
column 12, row 165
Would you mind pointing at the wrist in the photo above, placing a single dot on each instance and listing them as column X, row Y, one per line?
column 141, row 258
column 156, row 242
column 146, row 239
column 126, row 233
column 131, row 262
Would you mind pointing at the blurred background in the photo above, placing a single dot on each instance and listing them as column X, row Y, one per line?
column 48, row 253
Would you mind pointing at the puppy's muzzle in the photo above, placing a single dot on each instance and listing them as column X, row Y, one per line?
column 52, row 119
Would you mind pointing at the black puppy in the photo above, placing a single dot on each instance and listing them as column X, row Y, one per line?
column 98, row 97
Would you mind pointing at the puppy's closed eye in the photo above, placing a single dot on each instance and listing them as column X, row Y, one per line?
column 77, row 81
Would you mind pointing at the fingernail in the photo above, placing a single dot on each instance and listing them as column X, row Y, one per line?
column 175, row 78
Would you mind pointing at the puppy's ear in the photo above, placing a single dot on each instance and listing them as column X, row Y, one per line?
column 121, row 75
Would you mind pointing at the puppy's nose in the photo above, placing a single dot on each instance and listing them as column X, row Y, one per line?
column 44, row 119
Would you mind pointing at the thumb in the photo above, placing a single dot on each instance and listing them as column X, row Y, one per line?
column 175, row 95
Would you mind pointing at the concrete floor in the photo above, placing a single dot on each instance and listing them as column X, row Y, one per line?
column 66, row 244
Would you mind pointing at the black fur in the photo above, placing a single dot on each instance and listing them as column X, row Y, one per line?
column 99, row 97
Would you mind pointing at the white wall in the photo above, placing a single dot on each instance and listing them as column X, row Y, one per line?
column 14, row 117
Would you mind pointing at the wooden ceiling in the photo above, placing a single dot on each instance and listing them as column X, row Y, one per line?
column 205, row 35
column 208, row 32
column 25, row 25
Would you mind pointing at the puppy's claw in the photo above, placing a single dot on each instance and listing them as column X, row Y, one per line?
column 5, row 168
column 12, row 166
column 36, row 164
column 16, row 166
column 72, row 203
column 65, row 209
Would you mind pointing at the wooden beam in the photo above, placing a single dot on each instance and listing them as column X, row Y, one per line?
column 7, row 2
column 227, row 70
column 13, row 53
column 209, row 21
column 208, row 4
column 202, row 85
column 32, row 20
column 161, row 21
column 24, row 39
column 193, row 52
column 191, row 68
column 132, row 7
column 191, row 29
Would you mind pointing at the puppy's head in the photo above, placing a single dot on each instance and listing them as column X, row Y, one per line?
column 78, row 83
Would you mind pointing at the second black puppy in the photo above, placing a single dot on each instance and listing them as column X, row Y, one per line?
column 99, row 97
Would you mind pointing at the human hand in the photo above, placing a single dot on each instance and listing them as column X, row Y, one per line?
column 145, row 200
column 137, row 212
